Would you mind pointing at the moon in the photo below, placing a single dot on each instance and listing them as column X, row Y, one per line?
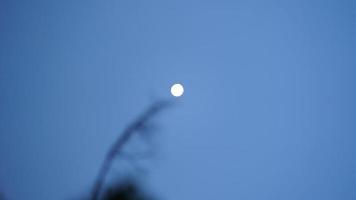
column 177, row 90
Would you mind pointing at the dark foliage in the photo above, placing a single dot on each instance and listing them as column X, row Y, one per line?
column 128, row 190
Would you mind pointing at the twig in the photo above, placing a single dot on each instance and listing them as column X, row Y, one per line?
column 115, row 150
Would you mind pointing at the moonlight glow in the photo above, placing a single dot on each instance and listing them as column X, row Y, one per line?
column 177, row 90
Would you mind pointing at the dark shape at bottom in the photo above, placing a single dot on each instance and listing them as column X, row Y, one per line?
column 128, row 190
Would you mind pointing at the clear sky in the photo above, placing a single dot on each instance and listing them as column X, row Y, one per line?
column 268, row 110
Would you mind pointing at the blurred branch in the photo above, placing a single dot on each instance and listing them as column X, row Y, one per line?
column 140, row 124
column 2, row 196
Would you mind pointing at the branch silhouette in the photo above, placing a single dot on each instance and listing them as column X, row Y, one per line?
column 134, row 128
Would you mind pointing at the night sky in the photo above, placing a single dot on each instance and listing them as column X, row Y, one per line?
column 268, row 111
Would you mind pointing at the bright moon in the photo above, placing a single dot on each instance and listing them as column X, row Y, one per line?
column 177, row 90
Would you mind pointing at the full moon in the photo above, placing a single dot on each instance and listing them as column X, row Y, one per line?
column 177, row 90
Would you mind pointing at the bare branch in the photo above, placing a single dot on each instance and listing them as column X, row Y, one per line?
column 139, row 125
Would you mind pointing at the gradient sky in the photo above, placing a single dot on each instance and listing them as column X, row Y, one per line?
column 268, row 113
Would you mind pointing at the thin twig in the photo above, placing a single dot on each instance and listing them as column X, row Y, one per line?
column 115, row 150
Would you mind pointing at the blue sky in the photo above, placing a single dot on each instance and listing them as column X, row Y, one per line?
column 268, row 111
